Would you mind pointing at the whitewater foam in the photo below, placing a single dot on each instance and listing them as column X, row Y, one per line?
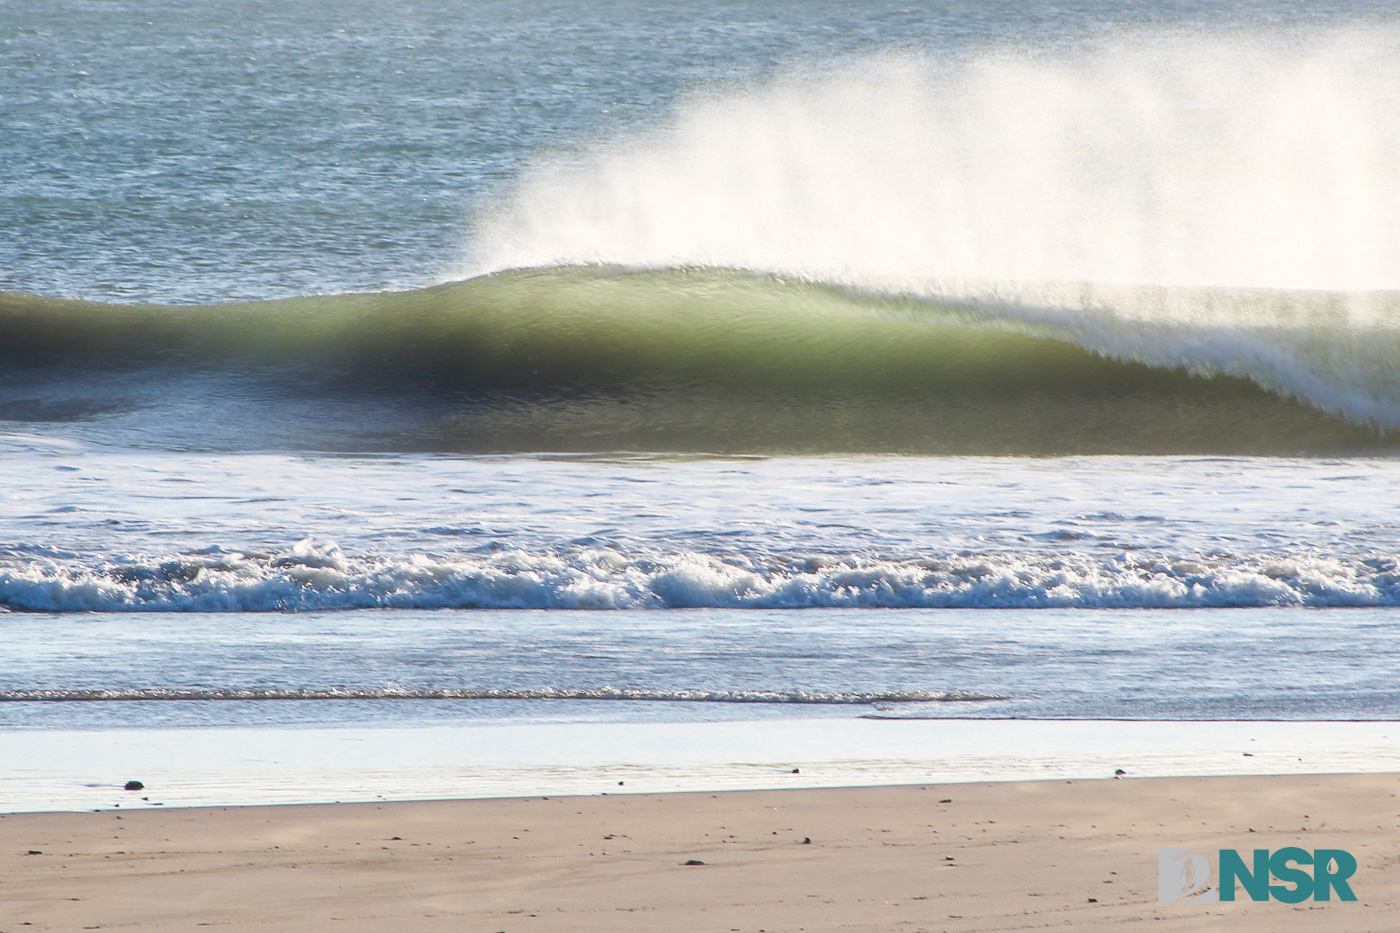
column 317, row 577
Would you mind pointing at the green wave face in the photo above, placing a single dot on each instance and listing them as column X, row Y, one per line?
column 603, row 359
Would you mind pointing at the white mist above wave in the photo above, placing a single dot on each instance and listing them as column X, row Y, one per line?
column 1265, row 164
column 312, row 577
column 1266, row 160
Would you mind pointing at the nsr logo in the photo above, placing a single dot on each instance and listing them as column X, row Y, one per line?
column 1184, row 875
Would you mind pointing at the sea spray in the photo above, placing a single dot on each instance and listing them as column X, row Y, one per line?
column 1217, row 202
column 1267, row 159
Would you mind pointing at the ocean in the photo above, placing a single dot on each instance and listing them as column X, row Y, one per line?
column 445, row 399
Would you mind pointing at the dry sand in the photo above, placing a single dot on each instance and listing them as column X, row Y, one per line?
column 981, row 857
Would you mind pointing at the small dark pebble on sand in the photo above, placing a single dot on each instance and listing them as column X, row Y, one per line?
column 134, row 785
column 694, row 861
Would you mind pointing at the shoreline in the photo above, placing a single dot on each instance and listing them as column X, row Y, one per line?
column 82, row 770
column 957, row 857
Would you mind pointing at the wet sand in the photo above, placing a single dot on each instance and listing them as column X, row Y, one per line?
column 956, row 857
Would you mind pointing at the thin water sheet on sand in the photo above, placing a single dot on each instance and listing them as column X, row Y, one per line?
column 59, row 769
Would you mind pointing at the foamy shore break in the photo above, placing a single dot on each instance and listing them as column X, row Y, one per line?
column 1001, row 856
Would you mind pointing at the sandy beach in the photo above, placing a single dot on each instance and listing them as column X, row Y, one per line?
column 956, row 857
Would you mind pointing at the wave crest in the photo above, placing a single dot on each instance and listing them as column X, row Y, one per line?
column 315, row 577
column 716, row 361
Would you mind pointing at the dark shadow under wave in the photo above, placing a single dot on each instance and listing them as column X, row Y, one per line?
column 599, row 359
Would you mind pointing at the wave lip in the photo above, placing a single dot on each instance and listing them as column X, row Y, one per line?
column 322, row 577
column 819, row 698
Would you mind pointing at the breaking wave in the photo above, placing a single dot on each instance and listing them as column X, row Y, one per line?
column 1143, row 242
column 312, row 577
column 713, row 360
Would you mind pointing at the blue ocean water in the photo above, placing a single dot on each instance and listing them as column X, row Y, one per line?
column 205, row 153
column 657, row 363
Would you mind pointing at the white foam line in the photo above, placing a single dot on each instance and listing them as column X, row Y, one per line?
column 168, row 694
column 322, row 577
